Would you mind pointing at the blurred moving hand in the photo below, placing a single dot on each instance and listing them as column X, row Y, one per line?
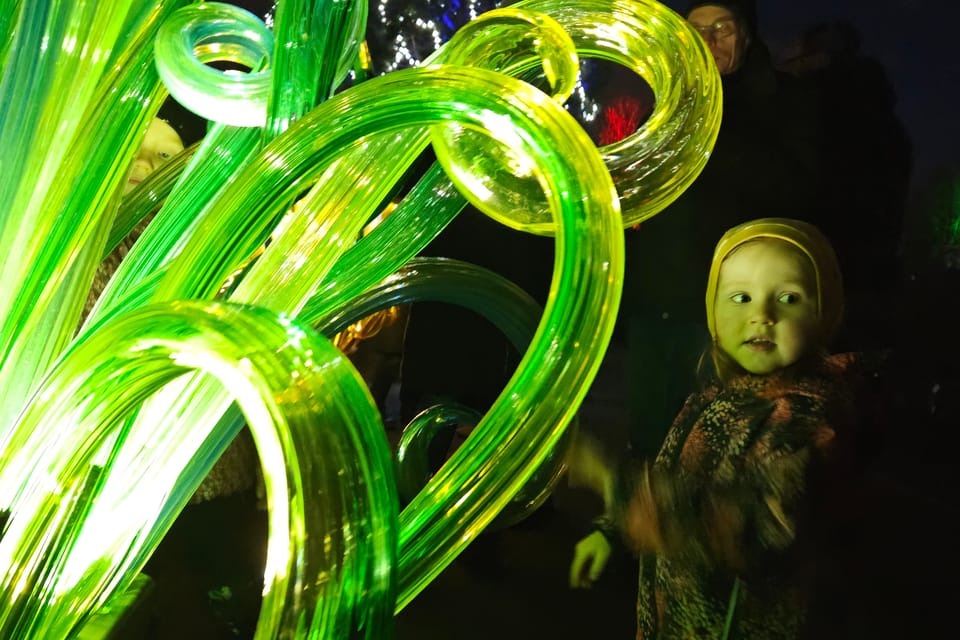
column 588, row 467
column 590, row 557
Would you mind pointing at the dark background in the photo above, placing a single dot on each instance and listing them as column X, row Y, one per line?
column 914, row 41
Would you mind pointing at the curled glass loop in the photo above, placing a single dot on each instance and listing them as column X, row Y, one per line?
column 554, row 182
column 524, row 44
column 417, row 459
column 415, row 465
column 650, row 168
column 79, row 524
column 217, row 32
column 506, row 306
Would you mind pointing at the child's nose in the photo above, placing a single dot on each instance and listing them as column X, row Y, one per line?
column 763, row 313
column 143, row 162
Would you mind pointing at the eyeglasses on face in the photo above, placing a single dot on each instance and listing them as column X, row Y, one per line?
column 718, row 30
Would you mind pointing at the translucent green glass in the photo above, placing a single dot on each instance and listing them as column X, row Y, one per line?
column 208, row 32
column 56, row 207
column 9, row 9
column 315, row 427
column 507, row 307
column 433, row 531
column 133, row 413
column 316, row 44
column 654, row 165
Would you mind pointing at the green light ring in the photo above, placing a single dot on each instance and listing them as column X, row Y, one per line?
column 507, row 307
column 210, row 32
column 575, row 321
column 654, row 165
column 319, row 552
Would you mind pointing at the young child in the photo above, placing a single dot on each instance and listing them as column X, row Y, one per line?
column 722, row 519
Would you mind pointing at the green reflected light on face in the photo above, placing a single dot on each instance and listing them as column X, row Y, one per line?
column 766, row 307
column 727, row 45
column 160, row 143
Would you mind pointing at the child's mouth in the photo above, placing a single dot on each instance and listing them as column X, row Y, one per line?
column 760, row 344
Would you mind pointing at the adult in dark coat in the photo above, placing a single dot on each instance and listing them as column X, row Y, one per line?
column 866, row 164
column 763, row 164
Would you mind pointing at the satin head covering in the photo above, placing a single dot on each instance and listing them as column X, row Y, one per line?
column 810, row 241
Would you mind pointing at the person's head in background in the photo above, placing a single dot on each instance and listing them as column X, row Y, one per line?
column 774, row 296
column 173, row 129
column 728, row 27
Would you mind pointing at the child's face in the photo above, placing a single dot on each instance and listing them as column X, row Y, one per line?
column 766, row 307
column 161, row 143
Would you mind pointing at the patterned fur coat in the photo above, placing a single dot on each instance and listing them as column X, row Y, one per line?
column 730, row 504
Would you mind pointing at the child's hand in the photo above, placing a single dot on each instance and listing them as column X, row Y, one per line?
column 590, row 557
column 587, row 466
column 642, row 520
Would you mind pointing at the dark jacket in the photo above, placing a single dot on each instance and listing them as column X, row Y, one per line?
column 763, row 164
column 737, row 489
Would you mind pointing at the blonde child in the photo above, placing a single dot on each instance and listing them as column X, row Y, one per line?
column 723, row 519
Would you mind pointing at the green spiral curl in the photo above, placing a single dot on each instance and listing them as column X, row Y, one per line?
column 506, row 306
column 110, row 416
column 651, row 167
column 207, row 32
column 72, row 536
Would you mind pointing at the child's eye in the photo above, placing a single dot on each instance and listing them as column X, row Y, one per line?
column 164, row 155
column 789, row 298
column 740, row 298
